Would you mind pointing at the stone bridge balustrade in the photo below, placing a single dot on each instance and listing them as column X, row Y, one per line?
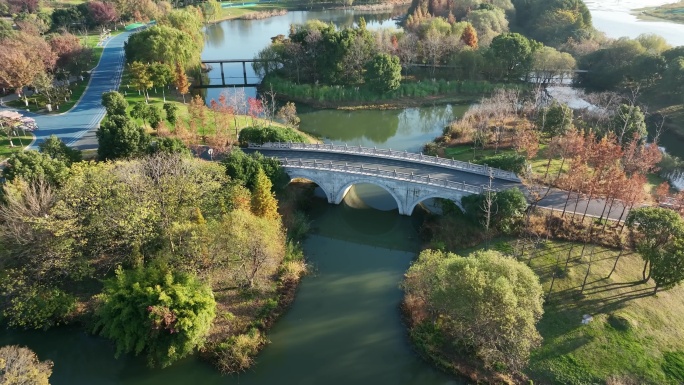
column 391, row 154
column 336, row 168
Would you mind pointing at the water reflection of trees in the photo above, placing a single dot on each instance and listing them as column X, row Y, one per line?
column 215, row 35
column 352, row 127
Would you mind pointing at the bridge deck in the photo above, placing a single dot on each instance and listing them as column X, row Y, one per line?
column 417, row 169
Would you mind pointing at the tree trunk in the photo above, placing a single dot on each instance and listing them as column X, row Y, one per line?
column 643, row 273
column 591, row 196
column 655, row 289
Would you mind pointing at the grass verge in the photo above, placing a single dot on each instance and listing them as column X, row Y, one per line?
column 19, row 143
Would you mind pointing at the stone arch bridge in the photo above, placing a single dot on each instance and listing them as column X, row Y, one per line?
column 408, row 177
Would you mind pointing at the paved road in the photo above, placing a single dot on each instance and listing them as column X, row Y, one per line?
column 77, row 126
column 555, row 199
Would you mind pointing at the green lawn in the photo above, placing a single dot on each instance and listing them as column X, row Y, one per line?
column 19, row 143
column 631, row 333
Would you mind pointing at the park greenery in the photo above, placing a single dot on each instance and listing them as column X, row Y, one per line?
column 164, row 277
column 173, row 266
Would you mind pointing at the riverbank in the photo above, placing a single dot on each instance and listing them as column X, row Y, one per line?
column 409, row 94
column 670, row 12
column 258, row 11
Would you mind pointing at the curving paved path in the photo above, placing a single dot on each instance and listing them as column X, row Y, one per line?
column 77, row 126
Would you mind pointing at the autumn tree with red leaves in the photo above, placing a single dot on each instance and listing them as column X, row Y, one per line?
column 102, row 13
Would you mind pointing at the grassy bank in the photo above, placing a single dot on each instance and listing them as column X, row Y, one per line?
column 411, row 93
column 634, row 337
column 670, row 12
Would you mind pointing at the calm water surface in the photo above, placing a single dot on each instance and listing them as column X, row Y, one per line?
column 343, row 328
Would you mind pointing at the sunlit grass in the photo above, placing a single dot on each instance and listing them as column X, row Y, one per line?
column 19, row 143
column 631, row 329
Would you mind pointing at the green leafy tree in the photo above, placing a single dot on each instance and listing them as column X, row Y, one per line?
column 32, row 305
column 512, row 55
column 141, row 111
column 119, row 137
column 32, row 166
column 141, row 77
column 163, row 44
column 270, row 134
column 508, row 209
column 155, row 116
column 161, row 76
column 673, row 78
column 263, row 203
column 383, row 73
column 653, row 230
column 187, row 20
column 668, row 266
column 170, row 146
column 115, row 103
column 485, row 303
column 211, row 9
column 54, row 147
column 555, row 120
column 171, row 111
column 510, row 162
column 554, row 21
column 244, row 168
column 256, row 244
column 163, row 314
column 629, row 122
column 21, row 366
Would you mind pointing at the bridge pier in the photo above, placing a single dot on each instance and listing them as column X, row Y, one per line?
column 223, row 76
column 336, row 185
column 244, row 71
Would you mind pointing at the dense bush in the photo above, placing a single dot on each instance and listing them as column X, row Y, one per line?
column 244, row 168
column 508, row 208
column 508, row 162
column 155, row 311
column 262, row 135
column 484, row 305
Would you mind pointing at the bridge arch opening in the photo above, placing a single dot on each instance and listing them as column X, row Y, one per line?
column 364, row 194
column 320, row 191
column 433, row 203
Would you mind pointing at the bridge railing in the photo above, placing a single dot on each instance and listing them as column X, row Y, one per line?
column 361, row 170
column 392, row 154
